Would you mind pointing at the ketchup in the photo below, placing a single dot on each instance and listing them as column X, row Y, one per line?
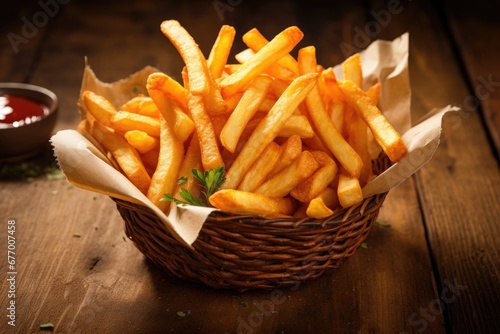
column 18, row 110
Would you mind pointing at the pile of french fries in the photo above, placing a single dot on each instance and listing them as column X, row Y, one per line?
column 292, row 137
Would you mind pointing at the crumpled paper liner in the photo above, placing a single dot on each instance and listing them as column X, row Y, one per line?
column 383, row 61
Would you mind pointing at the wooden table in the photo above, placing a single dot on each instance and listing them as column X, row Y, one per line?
column 432, row 266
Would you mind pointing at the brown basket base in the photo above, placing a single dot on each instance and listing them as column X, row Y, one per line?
column 241, row 253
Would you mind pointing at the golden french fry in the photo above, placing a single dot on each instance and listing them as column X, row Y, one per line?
column 210, row 153
column 141, row 141
column 314, row 184
column 125, row 155
column 374, row 92
column 244, row 55
column 196, row 64
column 220, row 50
column 170, row 157
column 214, row 102
column 351, row 68
column 354, row 127
column 290, row 150
column 142, row 105
column 330, row 197
column 198, row 75
column 171, row 148
column 278, row 86
column 192, row 160
column 229, row 157
column 232, row 102
column 268, row 128
column 256, row 41
column 266, row 104
column 258, row 172
column 99, row 107
column 385, row 134
column 171, row 88
column 355, row 130
column 297, row 125
column 124, row 121
column 349, row 190
column 279, row 46
column 283, row 182
column 247, row 203
column 332, row 97
column 165, row 86
column 244, row 111
column 323, row 123
column 317, row 209
column 275, row 70
column 337, row 113
column 184, row 126
column 185, row 79
column 231, row 68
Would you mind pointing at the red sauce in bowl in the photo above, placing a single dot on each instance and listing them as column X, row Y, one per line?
column 18, row 110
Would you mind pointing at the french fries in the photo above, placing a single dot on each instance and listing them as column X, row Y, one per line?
column 141, row 141
column 125, row 155
column 101, row 109
column 355, row 128
column 261, row 168
column 277, row 48
column 220, row 51
column 286, row 180
column 290, row 137
column 247, row 203
column 385, row 134
column 268, row 128
column 171, row 150
column 244, row 111
column 323, row 123
column 322, row 177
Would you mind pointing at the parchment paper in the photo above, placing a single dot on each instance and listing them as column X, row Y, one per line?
column 383, row 61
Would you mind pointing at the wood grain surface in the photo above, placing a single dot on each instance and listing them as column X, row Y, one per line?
column 431, row 264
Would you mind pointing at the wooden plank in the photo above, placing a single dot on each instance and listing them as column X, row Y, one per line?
column 475, row 29
column 457, row 188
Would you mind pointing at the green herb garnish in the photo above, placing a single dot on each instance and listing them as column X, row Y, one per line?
column 364, row 245
column 210, row 181
column 47, row 326
column 379, row 223
column 182, row 180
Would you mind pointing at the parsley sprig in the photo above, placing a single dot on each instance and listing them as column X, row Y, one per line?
column 210, row 181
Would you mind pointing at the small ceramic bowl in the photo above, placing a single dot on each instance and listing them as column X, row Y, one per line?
column 25, row 138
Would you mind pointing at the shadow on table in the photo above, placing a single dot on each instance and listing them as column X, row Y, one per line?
column 41, row 165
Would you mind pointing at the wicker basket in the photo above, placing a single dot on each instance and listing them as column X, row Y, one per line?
column 248, row 252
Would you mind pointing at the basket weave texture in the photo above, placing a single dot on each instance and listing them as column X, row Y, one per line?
column 249, row 252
